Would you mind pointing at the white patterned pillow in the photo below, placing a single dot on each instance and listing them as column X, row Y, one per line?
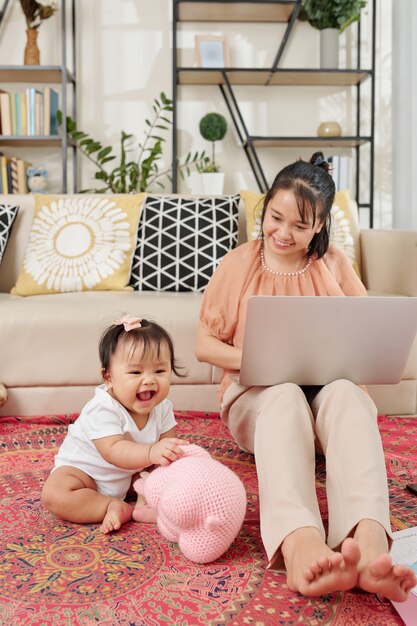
column 79, row 243
column 181, row 240
column 7, row 217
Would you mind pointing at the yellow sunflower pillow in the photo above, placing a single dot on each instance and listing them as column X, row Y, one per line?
column 344, row 233
column 80, row 243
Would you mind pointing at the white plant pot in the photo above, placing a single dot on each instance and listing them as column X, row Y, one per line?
column 213, row 183
column 329, row 48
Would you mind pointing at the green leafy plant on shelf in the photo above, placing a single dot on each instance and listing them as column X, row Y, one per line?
column 141, row 173
column 213, row 127
column 332, row 13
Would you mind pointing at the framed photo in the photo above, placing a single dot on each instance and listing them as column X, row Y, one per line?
column 211, row 51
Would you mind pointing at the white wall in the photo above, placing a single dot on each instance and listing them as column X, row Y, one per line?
column 404, row 106
column 125, row 59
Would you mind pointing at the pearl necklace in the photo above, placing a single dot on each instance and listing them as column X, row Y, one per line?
column 297, row 273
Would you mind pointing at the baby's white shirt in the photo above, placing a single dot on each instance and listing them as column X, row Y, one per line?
column 104, row 416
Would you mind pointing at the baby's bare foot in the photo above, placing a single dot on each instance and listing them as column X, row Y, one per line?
column 314, row 569
column 118, row 512
column 394, row 581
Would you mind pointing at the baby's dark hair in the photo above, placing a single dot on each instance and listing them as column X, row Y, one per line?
column 150, row 335
column 314, row 190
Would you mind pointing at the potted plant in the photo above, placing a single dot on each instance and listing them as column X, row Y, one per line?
column 213, row 127
column 35, row 12
column 331, row 17
column 142, row 173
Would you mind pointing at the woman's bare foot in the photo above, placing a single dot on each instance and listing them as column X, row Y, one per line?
column 313, row 568
column 118, row 512
column 394, row 581
column 377, row 572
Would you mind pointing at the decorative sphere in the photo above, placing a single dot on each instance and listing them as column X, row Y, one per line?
column 329, row 129
column 213, row 127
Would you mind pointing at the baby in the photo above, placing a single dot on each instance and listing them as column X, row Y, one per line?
column 128, row 426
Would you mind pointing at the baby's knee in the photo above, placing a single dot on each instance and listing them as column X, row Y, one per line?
column 48, row 497
column 53, row 498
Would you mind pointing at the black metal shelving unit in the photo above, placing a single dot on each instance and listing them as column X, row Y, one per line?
column 267, row 11
column 54, row 75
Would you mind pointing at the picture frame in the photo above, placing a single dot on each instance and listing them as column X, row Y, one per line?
column 211, row 51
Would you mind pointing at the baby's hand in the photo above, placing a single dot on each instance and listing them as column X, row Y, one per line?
column 166, row 450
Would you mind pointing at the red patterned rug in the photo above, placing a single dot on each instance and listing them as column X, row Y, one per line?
column 57, row 573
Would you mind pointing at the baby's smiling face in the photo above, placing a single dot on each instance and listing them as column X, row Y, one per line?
column 139, row 381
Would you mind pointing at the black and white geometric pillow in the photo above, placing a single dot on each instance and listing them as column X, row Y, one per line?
column 182, row 240
column 7, row 217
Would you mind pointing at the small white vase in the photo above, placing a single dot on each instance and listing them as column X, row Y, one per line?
column 213, row 183
column 329, row 49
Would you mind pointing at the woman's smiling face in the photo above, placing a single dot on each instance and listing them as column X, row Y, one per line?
column 285, row 233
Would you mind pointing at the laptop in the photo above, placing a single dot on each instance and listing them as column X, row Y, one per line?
column 313, row 340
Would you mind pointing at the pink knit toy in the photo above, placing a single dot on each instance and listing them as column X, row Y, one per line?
column 198, row 503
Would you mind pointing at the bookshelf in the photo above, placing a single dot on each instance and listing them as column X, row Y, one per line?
column 227, row 79
column 17, row 78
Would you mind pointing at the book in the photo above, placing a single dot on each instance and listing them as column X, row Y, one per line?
column 404, row 550
column 22, row 167
column 38, row 113
column 6, row 120
column 9, row 176
column 13, row 178
column 23, row 112
column 18, row 114
column 31, row 93
column 50, row 110
column 28, row 113
column 3, row 168
column 12, row 100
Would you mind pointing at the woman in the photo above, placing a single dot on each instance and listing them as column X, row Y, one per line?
column 284, row 425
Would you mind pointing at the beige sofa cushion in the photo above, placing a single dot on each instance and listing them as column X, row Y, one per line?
column 72, row 324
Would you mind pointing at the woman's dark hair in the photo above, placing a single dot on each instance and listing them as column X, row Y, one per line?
column 150, row 335
column 314, row 191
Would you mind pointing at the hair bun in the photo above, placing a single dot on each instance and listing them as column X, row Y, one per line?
column 320, row 160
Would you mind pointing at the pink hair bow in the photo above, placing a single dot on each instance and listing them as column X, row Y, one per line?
column 129, row 322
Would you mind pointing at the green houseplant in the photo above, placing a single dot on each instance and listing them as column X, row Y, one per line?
column 213, row 127
column 134, row 174
column 337, row 14
column 331, row 17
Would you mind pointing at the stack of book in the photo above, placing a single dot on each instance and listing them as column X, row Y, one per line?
column 29, row 114
column 13, row 175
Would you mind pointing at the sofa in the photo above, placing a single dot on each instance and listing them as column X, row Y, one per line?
column 48, row 343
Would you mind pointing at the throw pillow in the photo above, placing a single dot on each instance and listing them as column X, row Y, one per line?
column 79, row 243
column 181, row 240
column 344, row 232
column 7, row 217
